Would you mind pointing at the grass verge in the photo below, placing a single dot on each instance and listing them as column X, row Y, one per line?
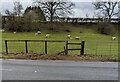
column 35, row 56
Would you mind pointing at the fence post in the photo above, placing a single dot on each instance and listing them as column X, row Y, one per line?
column 26, row 46
column 110, row 46
column 82, row 47
column 6, row 46
column 66, row 50
column 45, row 47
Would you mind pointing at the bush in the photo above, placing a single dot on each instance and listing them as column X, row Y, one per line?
column 67, row 30
column 13, row 25
column 105, row 28
column 51, row 29
column 19, row 25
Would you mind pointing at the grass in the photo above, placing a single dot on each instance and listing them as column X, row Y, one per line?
column 95, row 43
column 35, row 56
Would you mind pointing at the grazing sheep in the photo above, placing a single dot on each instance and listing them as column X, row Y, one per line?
column 77, row 38
column 113, row 38
column 2, row 30
column 47, row 35
column 68, row 36
column 38, row 32
column 14, row 32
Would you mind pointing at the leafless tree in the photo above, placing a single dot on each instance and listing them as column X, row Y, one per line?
column 7, row 12
column 18, row 8
column 107, row 8
column 119, row 9
column 53, row 8
column 17, row 11
column 87, row 16
column 14, row 21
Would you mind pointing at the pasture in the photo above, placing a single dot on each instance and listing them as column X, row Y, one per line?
column 95, row 44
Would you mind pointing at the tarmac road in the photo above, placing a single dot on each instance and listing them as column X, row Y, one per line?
column 58, row 70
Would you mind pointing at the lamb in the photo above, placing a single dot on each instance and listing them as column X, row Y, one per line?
column 77, row 38
column 113, row 38
column 68, row 36
column 14, row 32
column 47, row 35
column 2, row 30
column 38, row 32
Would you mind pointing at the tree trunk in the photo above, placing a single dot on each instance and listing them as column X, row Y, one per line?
column 109, row 19
column 51, row 18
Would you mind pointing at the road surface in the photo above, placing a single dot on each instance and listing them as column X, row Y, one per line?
column 58, row 70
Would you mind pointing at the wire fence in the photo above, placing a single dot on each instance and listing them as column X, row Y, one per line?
column 99, row 47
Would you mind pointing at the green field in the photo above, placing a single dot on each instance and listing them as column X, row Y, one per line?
column 95, row 43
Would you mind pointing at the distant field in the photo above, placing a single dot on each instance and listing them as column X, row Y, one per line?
column 95, row 43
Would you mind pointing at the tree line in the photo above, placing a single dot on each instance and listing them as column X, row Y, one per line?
column 57, row 10
column 53, row 8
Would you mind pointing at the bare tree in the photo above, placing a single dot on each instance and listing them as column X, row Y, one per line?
column 119, row 9
column 17, row 11
column 8, row 13
column 18, row 8
column 53, row 8
column 108, row 9
column 87, row 16
column 14, row 22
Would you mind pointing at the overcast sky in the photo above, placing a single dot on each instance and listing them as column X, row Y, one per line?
column 82, row 7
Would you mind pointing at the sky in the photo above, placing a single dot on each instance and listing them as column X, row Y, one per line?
column 82, row 7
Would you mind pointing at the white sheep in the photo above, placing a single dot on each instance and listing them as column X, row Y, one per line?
column 77, row 38
column 47, row 35
column 68, row 36
column 2, row 30
column 14, row 32
column 113, row 38
column 38, row 32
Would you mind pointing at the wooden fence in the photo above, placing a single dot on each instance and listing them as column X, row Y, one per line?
column 81, row 47
column 66, row 49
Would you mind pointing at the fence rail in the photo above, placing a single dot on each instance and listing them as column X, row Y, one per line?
column 81, row 47
column 35, row 40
